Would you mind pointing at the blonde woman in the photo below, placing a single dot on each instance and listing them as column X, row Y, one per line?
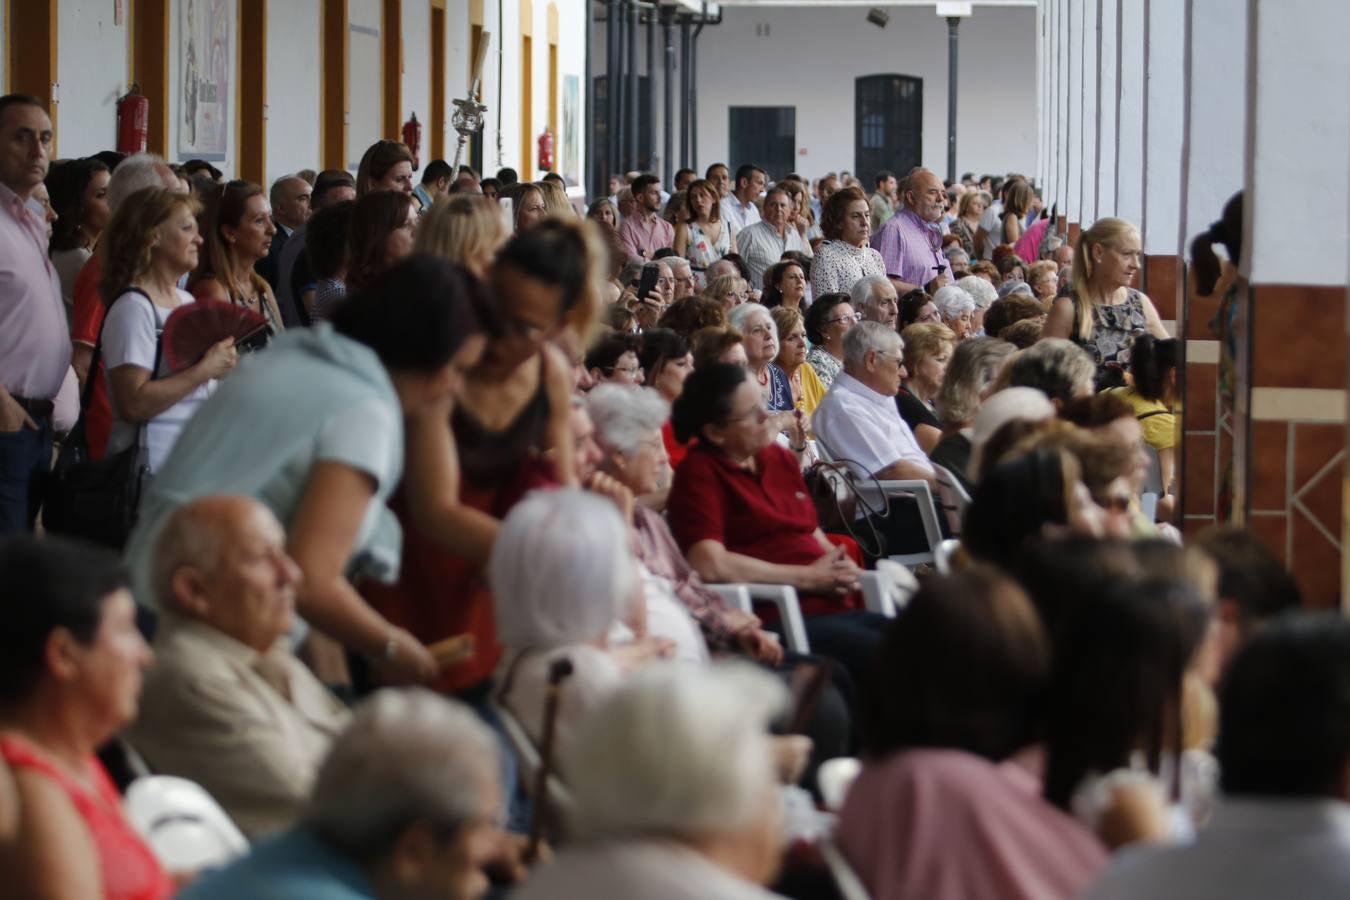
column 928, row 350
column 1102, row 313
column 465, row 229
column 807, row 390
column 705, row 237
column 237, row 231
column 555, row 200
column 967, row 222
column 729, row 290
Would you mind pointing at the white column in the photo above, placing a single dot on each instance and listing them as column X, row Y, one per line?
column 1073, row 153
column 1215, row 112
column 1163, row 124
column 1088, row 166
column 1052, row 111
column 1063, row 103
column 1130, row 124
column 1108, row 105
column 1039, row 174
column 1298, row 89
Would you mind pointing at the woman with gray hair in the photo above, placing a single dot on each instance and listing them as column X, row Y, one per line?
column 984, row 294
column 971, row 374
column 674, row 791
column 405, row 805
column 1058, row 368
column 761, row 347
column 957, row 310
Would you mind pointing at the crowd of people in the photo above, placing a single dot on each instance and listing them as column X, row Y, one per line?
column 434, row 532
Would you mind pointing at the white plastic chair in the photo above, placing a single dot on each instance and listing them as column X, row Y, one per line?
column 742, row 596
column 954, row 498
column 834, row 778
column 945, row 551
column 183, row 824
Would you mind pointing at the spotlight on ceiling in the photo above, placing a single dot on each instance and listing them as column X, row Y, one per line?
column 877, row 17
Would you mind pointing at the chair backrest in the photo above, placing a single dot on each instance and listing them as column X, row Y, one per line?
column 953, row 497
column 527, row 754
column 945, row 551
column 183, row 824
column 1153, row 480
column 834, row 778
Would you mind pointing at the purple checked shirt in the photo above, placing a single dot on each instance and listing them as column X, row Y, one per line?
column 911, row 248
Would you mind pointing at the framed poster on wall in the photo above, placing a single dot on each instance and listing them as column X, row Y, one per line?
column 571, row 130
column 205, row 57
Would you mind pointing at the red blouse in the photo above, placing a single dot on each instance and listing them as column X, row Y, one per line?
column 129, row 869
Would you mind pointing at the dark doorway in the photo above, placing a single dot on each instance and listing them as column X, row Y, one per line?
column 644, row 162
column 765, row 136
column 888, row 125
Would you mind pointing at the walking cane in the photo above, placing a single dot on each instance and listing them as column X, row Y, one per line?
column 558, row 672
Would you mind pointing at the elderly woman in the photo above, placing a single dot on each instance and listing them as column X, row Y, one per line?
column 928, row 350
column 728, row 290
column 718, row 345
column 916, row 308
column 967, row 222
column 844, row 257
column 984, row 294
column 761, row 349
column 947, row 757
column 675, row 798
column 613, row 359
column 807, row 391
column 1113, row 419
column 974, row 367
column 956, row 309
column 71, row 660
column 387, row 367
column 785, row 285
column 1057, row 368
column 688, row 314
column 405, row 805
column 1043, row 276
column 1103, row 314
column 741, row 512
column 827, row 321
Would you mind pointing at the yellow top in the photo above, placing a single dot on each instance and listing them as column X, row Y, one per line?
column 812, row 391
column 1158, row 422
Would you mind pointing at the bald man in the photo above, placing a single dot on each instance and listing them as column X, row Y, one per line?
column 290, row 209
column 227, row 704
column 911, row 242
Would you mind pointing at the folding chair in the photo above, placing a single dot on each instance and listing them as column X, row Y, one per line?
column 742, row 596
column 183, row 824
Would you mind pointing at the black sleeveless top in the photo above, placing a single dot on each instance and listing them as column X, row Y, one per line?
column 491, row 458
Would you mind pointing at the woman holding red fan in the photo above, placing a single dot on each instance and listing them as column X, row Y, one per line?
column 151, row 242
column 237, row 229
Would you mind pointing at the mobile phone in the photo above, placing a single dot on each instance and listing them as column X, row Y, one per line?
column 509, row 212
column 650, row 273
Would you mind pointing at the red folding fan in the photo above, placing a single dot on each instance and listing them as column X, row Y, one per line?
column 193, row 328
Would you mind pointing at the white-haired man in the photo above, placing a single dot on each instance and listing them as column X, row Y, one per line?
column 227, row 704
column 858, row 421
column 875, row 299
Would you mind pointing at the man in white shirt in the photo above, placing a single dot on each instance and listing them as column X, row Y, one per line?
column 738, row 207
column 1282, row 828
column 764, row 243
column 858, row 422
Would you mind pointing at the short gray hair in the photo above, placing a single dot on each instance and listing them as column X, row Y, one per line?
column 560, row 569
column 677, row 262
column 954, row 253
column 1053, row 366
column 677, row 751
column 624, row 415
column 982, row 292
column 974, row 366
column 739, row 316
column 951, row 301
column 135, row 173
column 408, row 755
column 869, row 337
column 862, row 290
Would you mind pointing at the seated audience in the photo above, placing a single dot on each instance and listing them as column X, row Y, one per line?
column 928, row 350
column 675, row 798
column 1024, row 406
column 688, row 314
column 984, row 294
column 686, row 285
column 1008, row 311
column 807, row 391
column 405, row 805
column 613, row 359
column 667, row 362
column 728, row 290
column 956, row 309
column 1253, row 587
column 845, row 257
column 528, row 203
column 395, row 350
column 1059, row 369
column 761, row 348
column 1284, row 750
column 970, row 377
column 1043, row 277
column 1111, row 418
column 226, row 703
column 948, row 805
column 916, row 307
column 828, row 319
column 785, row 285
column 718, row 345
column 875, row 300
column 71, row 659
column 740, row 511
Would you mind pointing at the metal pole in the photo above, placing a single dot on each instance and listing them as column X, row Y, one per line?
column 649, row 95
column 668, row 106
column 693, row 90
column 620, row 85
column 612, row 21
column 684, row 92
column 630, row 95
column 952, row 23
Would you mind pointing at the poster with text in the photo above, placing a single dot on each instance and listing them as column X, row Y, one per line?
column 571, row 130
column 204, row 57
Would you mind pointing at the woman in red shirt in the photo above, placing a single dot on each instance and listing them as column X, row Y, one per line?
column 70, row 676
column 741, row 512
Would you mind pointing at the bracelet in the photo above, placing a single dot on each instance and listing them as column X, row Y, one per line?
column 391, row 647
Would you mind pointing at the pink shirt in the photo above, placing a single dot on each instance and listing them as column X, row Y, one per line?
column 649, row 236
column 34, row 334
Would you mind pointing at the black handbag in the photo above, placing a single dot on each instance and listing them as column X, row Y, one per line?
column 837, row 499
column 96, row 499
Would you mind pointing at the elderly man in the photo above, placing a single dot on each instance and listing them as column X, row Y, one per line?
column 875, row 299
column 764, row 243
column 290, row 209
column 34, row 331
column 739, row 207
column 685, row 284
column 404, row 806
column 911, row 242
column 645, row 232
column 858, row 421
column 226, row 703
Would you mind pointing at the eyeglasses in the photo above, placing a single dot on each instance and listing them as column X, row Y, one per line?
column 624, row 370
column 758, row 413
column 856, row 317
column 899, row 357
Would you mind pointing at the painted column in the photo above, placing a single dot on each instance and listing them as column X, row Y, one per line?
column 1062, row 111
column 1088, row 166
column 1073, row 150
column 1130, row 122
column 1211, row 172
column 1108, row 104
column 1163, row 127
column 1292, row 450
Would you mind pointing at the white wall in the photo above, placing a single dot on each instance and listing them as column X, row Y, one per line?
column 813, row 55
column 294, row 69
column 93, row 75
column 364, row 99
column 416, row 84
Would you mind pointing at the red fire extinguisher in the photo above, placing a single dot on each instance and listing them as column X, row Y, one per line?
column 546, row 151
column 412, row 138
column 133, row 121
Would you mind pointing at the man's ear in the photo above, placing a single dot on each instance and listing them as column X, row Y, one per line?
column 413, row 851
column 188, row 585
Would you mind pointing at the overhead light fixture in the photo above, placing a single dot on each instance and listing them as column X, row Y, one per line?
column 878, row 17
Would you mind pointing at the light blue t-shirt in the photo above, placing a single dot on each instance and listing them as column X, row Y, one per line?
column 294, row 865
